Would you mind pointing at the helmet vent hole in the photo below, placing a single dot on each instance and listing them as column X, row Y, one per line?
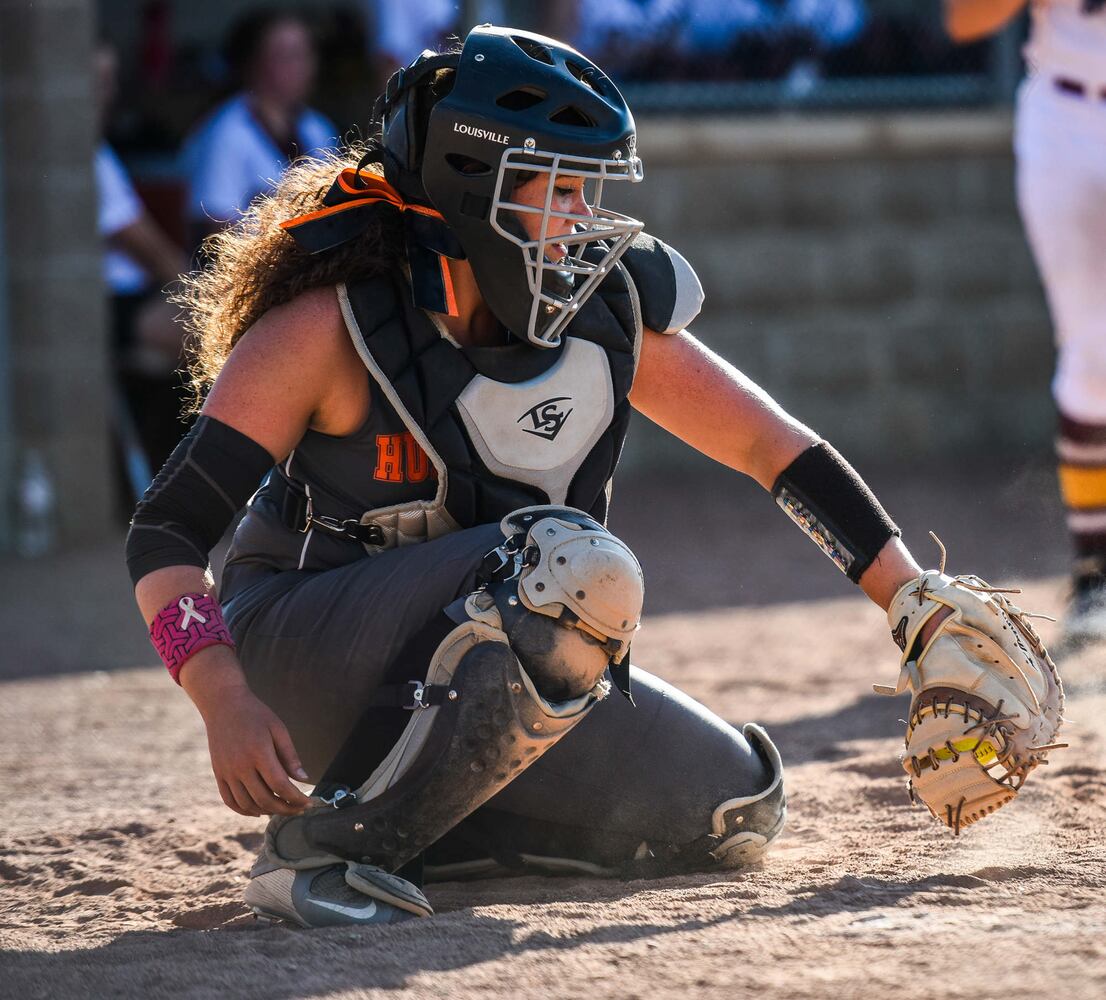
column 521, row 99
column 569, row 115
column 589, row 76
column 535, row 50
column 468, row 165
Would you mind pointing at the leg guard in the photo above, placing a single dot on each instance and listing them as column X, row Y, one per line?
column 502, row 688
column 502, row 839
column 742, row 828
column 741, row 831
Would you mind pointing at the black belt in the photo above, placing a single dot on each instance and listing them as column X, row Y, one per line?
column 297, row 512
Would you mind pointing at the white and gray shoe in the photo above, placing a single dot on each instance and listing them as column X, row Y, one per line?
column 334, row 895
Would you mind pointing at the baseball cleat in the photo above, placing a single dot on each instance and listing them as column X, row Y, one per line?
column 335, row 895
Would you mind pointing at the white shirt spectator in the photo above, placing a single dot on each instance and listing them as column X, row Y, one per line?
column 230, row 158
column 119, row 207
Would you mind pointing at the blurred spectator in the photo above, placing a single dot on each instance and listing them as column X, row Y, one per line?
column 768, row 39
column 621, row 35
column 402, row 29
column 711, row 27
column 812, row 28
column 245, row 144
column 653, row 40
column 146, row 341
column 828, row 23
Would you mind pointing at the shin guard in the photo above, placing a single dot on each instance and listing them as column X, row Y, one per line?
column 479, row 724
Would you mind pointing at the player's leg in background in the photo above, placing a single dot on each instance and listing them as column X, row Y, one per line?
column 1061, row 149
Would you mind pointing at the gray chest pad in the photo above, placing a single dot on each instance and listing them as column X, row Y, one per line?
column 539, row 431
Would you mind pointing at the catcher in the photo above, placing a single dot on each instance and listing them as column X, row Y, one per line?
column 428, row 353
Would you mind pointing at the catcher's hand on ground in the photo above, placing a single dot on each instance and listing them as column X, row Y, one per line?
column 987, row 698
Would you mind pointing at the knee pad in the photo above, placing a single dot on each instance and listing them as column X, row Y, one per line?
column 567, row 593
column 740, row 832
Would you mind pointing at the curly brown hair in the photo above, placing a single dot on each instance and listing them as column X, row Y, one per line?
column 254, row 265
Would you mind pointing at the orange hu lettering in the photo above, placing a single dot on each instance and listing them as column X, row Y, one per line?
column 400, row 459
column 389, row 458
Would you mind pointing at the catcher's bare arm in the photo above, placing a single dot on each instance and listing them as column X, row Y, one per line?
column 706, row 402
column 291, row 371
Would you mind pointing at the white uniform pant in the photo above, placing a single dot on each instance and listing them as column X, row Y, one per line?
column 1060, row 141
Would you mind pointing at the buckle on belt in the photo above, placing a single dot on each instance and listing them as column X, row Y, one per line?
column 371, row 534
column 308, row 517
column 332, row 524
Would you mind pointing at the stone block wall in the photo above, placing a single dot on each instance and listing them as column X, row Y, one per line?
column 869, row 271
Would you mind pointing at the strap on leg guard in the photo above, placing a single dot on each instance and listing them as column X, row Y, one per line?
column 381, row 724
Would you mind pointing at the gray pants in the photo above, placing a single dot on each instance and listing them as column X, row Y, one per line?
column 315, row 645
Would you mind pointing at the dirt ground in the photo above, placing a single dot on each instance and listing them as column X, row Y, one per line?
column 121, row 874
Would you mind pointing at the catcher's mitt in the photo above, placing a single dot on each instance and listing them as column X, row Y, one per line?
column 987, row 698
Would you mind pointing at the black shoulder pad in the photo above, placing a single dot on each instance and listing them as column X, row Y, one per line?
column 667, row 285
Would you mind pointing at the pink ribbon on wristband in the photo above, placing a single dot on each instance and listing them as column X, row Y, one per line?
column 181, row 629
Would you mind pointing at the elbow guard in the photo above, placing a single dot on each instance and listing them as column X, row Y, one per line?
column 206, row 481
column 667, row 285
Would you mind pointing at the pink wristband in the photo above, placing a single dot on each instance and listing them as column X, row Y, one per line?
column 191, row 623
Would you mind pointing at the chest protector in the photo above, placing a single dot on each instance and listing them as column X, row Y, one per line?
column 504, row 427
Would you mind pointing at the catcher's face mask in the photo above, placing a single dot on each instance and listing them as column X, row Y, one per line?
column 520, row 103
column 561, row 217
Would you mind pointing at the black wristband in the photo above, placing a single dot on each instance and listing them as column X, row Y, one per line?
column 206, row 481
column 829, row 501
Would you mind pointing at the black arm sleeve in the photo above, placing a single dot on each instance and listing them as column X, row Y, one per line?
column 828, row 500
column 206, row 481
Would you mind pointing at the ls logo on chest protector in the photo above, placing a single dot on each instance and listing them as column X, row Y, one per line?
column 547, row 417
column 568, row 406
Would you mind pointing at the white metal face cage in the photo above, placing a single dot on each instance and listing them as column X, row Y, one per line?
column 559, row 288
